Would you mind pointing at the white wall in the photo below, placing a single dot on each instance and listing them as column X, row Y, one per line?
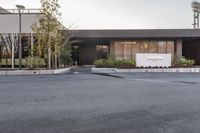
column 9, row 23
column 153, row 60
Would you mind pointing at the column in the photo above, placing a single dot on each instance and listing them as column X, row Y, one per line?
column 178, row 49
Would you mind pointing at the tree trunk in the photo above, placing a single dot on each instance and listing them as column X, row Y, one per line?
column 49, row 53
column 49, row 58
column 56, row 55
column 32, row 50
column 59, row 63
column 52, row 59
column 39, row 45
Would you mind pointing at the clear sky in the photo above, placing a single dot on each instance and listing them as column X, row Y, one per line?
column 119, row 14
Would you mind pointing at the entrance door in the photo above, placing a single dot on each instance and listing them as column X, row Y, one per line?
column 87, row 54
column 75, row 54
column 191, row 50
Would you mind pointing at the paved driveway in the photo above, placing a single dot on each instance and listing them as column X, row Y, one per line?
column 87, row 103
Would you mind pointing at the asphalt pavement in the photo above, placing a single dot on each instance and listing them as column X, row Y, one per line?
column 91, row 103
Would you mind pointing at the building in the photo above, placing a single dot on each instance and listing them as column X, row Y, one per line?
column 95, row 44
column 124, row 44
column 9, row 33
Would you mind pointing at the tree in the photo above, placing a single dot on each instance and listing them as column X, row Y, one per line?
column 66, row 55
column 48, row 29
column 65, row 50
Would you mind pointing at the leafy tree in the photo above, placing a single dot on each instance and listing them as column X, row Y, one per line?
column 66, row 55
column 48, row 31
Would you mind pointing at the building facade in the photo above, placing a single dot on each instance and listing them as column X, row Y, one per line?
column 124, row 44
column 95, row 44
column 9, row 33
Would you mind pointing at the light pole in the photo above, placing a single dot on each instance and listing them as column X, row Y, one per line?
column 20, row 8
column 196, row 9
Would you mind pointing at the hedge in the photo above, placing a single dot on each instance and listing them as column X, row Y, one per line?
column 110, row 63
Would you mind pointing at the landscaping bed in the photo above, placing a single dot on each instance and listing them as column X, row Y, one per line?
column 111, row 65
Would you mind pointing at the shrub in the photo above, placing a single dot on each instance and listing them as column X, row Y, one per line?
column 112, row 63
column 125, row 63
column 37, row 62
column 100, row 63
column 182, row 62
column 186, row 62
column 66, row 56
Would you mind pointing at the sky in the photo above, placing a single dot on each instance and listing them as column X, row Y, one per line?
column 119, row 14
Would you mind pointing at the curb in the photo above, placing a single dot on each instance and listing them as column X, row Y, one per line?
column 159, row 70
column 34, row 72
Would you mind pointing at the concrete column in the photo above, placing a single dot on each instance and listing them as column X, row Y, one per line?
column 13, row 51
column 178, row 51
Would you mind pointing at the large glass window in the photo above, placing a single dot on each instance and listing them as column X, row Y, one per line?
column 102, row 51
column 128, row 49
column 170, row 47
column 9, row 41
column 119, row 50
column 153, row 47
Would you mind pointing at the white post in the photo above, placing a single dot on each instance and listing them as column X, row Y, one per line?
column 13, row 51
column 31, row 50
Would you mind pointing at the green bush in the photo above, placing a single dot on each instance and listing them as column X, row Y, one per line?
column 182, row 62
column 100, row 63
column 186, row 62
column 37, row 62
column 125, row 63
column 66, row 56
column 112, row 63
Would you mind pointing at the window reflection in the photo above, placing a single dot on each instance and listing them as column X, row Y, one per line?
column 128, row 49
column 102, row 51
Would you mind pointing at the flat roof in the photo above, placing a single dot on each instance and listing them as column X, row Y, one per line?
column 143, row 33
column 15, row 11
column 2, row 10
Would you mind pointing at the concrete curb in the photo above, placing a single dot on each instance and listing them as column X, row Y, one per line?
column 159, row 70
column 34, row 72
column 102, row 70
column 61, row 71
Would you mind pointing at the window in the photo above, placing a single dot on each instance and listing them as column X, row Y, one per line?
column 102, row 51
column 119, row 50
column 128, row 49
column 162, row 47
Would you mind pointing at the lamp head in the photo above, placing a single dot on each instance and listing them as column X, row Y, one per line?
column 196, row 6
column 20, row 7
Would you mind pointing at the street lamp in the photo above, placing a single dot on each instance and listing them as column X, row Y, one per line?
column 20, row 9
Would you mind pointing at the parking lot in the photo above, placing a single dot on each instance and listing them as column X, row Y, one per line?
column 91, row 103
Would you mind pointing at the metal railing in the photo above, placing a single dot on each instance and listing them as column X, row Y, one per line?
column 15, row 11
